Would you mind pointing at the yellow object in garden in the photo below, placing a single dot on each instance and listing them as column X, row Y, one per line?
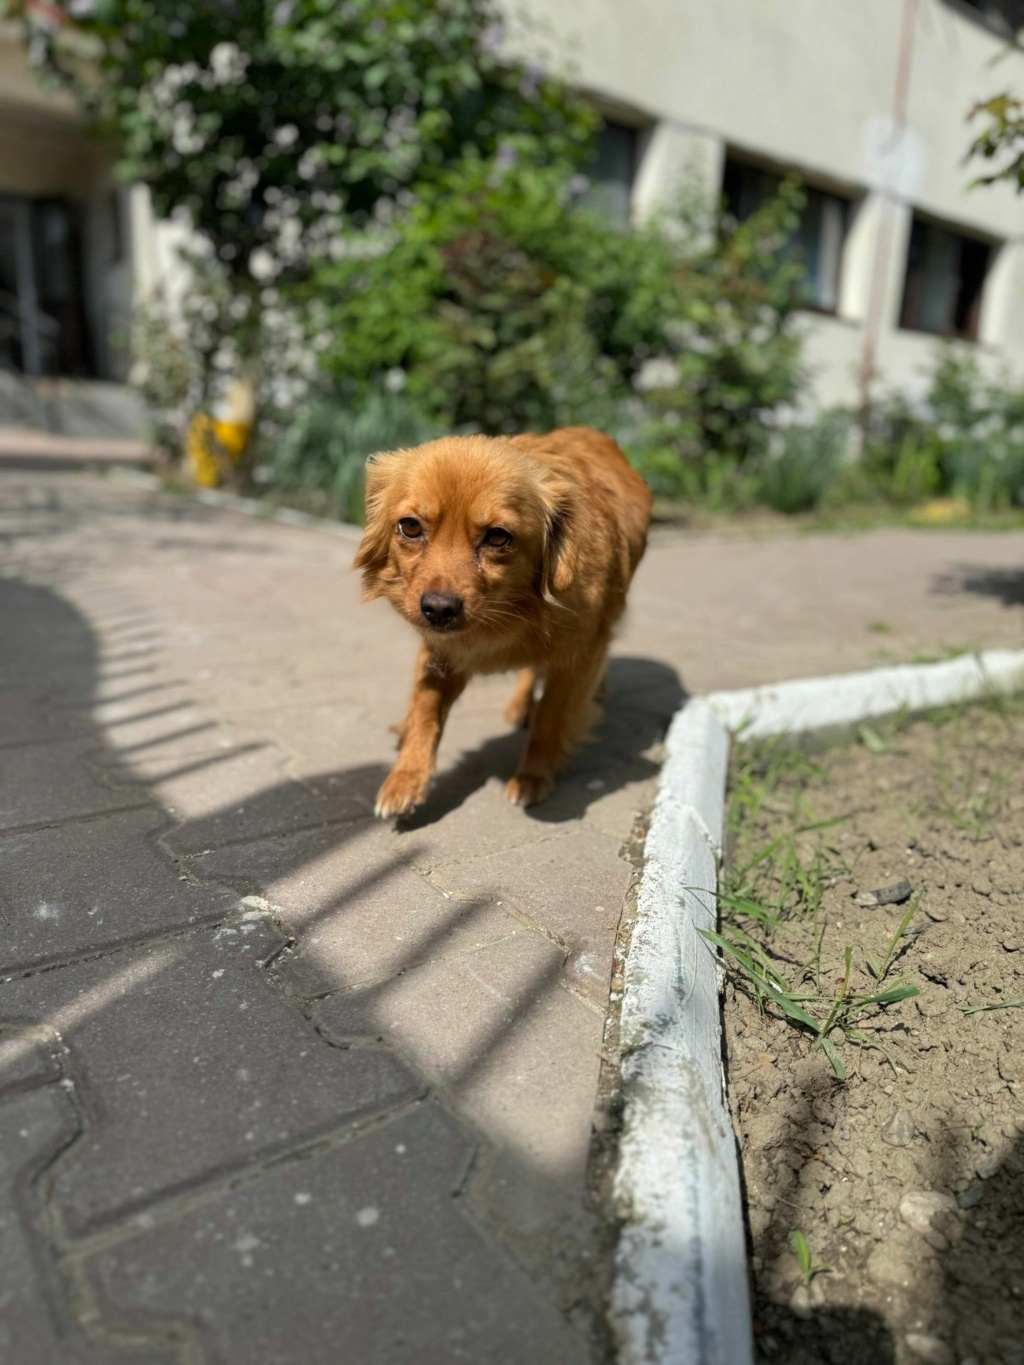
column 223, row 436
column 940, row 511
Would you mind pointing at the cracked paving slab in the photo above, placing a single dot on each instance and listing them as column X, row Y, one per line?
column 358, row 911
column 571, row 887
column 186, row 1064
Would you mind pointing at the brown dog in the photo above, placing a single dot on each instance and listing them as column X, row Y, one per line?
column 503, row 553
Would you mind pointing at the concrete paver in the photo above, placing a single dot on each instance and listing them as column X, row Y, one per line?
column 34, row 1325
column 359, row 913
column 41, row 783
column 399, row 1274
column 77, row 888
column 198, row 710
column 515, row 1054
column 186, row 1065
column 570, row 887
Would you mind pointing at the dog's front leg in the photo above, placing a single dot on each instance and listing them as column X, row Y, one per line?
column 519, row 711
column 560, row 721
column 434, row 690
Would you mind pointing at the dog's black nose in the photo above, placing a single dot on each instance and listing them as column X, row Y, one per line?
column 441, row 609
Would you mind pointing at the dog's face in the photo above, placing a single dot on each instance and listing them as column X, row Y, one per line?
column 465, row 536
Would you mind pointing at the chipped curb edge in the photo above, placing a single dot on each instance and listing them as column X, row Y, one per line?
column 680, row 1289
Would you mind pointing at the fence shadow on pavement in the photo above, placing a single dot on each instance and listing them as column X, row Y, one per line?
column 121, row 904
column 639, row 698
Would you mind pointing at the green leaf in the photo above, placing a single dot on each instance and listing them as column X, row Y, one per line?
column 872, row 740
column 832, row 1053
column 802, row 1251
column 1015, row 1004
column 889, row 997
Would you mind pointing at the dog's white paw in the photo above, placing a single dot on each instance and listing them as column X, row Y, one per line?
column 401, row 793
column 526, row 789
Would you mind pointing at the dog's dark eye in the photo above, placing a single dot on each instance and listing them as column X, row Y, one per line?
column 498, row 538
column 410, row 529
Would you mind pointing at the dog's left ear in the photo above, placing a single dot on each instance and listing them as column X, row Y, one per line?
column 372, row 555
column 561, row 545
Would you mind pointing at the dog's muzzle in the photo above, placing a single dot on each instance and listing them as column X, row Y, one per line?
column 442, row 610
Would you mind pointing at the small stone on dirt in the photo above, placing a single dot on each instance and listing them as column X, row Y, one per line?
column 919, row 1207
column 930, row 1349
column 885, row 895
column 806, row 1297
column 988, row 1166
column 972, row 1196
column 899, row 1129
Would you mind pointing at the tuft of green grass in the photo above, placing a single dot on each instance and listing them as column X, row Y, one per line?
column 1016, row 1004
column 753, row 967
column 809, row 1271
column 880, row 970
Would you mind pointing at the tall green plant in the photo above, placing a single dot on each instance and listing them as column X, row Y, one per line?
column 964, row 437
column 511, row 306
column 274, row 125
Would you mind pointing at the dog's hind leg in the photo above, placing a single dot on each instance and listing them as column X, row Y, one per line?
column 561, row 719
column 519, row 711
column 435, row 688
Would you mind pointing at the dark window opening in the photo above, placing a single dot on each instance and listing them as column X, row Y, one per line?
column 944, row 281
column 820, row 234
column 115, row 227
column 42, row 313
column 612, row 172
column 1006, row 16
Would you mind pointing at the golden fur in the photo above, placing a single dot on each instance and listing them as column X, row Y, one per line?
column 576, row 515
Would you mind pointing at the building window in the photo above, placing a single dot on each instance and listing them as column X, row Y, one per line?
column 944, row 281
column 1005, row 16
column 819, row 236
column 613, row 170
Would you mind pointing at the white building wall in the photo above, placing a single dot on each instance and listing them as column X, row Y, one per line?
column 810, row 85
column 802, row 84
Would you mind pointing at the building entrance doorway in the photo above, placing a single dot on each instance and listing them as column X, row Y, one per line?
column 42, row 318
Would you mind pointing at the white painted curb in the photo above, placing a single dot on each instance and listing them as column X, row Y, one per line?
column 680, row 1291
column 819, row 703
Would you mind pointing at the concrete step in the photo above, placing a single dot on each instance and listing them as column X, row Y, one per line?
column 81, row 409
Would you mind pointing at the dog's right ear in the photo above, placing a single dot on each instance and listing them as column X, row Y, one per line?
column 372, row 555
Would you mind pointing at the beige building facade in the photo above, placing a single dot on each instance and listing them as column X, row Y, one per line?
column 867, row 102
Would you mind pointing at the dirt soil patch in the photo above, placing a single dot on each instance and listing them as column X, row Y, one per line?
column 886, row 1208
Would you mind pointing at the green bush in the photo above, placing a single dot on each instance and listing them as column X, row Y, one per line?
column 964, row 438
column 510, row 307
column 804, row 466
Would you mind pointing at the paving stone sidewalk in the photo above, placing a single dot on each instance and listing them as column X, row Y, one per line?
column 280, row 1085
